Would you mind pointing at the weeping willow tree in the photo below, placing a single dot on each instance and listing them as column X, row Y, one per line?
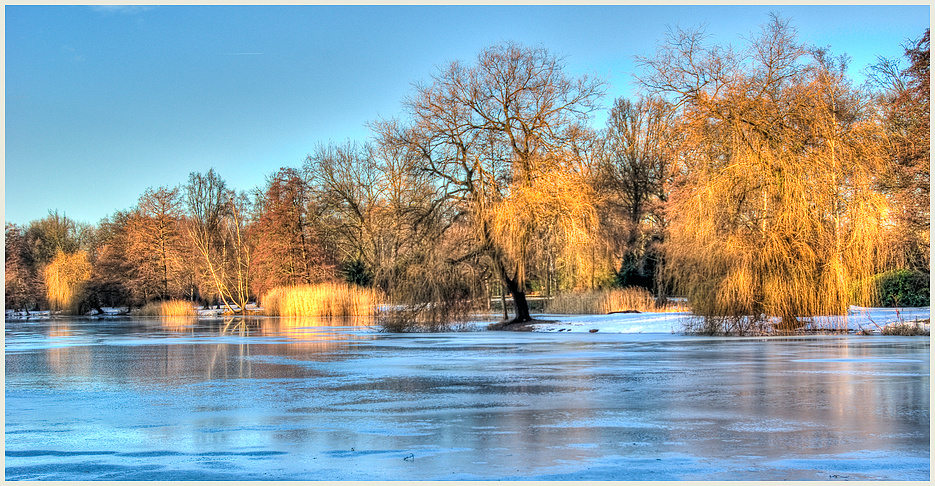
column 558, row 206
column 775, row 214
column 65, row 277
column 498, row 138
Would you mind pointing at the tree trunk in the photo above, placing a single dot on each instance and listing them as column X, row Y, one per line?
column 487, row 294
column 519, row 301
column 548, row 278
column 522, row 307
column 503, row 302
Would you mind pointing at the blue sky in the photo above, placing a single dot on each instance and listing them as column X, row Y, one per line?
column 103, row 102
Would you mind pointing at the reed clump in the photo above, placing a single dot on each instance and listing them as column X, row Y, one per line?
column 606, row 301
column 321, row 300
column 167, row 308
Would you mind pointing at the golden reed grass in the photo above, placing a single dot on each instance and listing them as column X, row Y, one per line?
column 322, row 300
column 169, row 308
column 605, row 302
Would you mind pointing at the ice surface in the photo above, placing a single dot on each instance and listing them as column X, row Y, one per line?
column 296, row 399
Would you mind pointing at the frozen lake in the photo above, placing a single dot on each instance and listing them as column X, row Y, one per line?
column 294, row 399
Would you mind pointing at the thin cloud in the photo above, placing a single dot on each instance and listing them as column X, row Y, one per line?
column 72, row 53
column 122, row 9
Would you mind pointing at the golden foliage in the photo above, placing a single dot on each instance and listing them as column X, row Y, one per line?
column 777, row 215
column 322, row 300
column 65, row 277
column 557, row 203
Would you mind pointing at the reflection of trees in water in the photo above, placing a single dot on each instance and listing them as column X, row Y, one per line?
column 713, row 398
column 808, row 396
column 191, row 350
column 302, row 339
column 66, row 360
column 314, row 327
column 239, row 326
column 179, row 324
column 232, row 359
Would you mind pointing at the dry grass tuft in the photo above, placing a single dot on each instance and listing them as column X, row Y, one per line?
column 907, row 328
column 606, row 302
column 322, row 300
column 169, row 308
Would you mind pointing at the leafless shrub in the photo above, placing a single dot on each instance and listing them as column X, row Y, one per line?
column 907, row 328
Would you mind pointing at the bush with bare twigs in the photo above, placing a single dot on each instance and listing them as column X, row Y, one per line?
column 907, row 328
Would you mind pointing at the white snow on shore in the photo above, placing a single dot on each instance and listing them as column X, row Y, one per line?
column 859, row 318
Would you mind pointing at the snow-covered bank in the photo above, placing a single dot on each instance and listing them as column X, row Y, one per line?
column 871, row 319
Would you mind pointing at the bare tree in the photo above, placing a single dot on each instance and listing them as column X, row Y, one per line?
column 21, row 288
column 498, row 136
column 632, row 180
column 217, row 228
column 347, row 185
column 904, row 98
column 47, row 236
column 154, row 240
column 388, row 225
column 286, row 245
column 116, row 277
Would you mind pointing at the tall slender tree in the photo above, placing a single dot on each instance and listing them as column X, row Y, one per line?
column 632, row 180
column 21, row 284
column 217, row 230
column 905, row 100
column 287, row 248
column 155, row 241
